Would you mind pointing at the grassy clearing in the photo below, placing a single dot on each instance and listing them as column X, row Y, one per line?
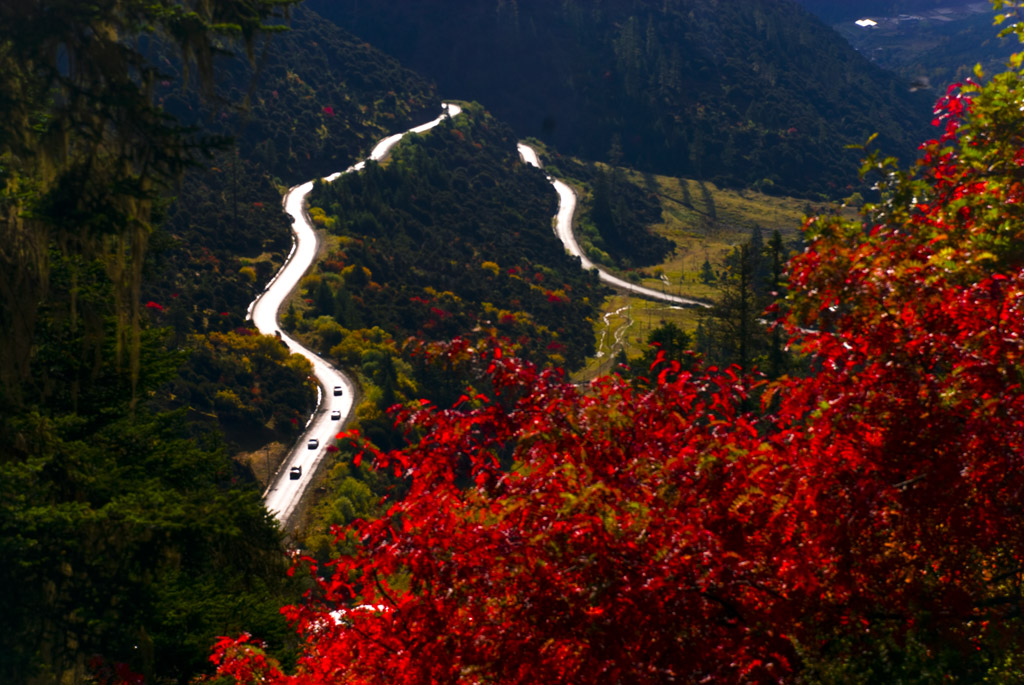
column 704, row 222
column 625, row 324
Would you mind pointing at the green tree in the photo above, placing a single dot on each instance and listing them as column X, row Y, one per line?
column 739, row 328
column 123, row 527
column 291, row 318
column 323, row 299
column 345, row 311
column 779, row 361
column 707, row 274
column 85, row 153
column 665, row 344
column 732, row 323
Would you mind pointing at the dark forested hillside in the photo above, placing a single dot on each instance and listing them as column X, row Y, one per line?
column 746, row 92
column 315, row 100
column 130, row 537
column 454, row 235
column 832, row 11
column 936, row 45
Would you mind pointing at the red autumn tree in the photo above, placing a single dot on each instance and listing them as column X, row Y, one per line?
column 912, row 425
column 554, row 536
column 866, row 525
column 909, row 436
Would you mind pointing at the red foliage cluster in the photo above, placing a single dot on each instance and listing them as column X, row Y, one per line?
column 439, row 313
column 558, row 535
column 103, row 672
column 334, row 262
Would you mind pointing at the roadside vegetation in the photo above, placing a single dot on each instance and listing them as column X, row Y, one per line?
column 856, row 519
column 707, row 227
column 835, row 499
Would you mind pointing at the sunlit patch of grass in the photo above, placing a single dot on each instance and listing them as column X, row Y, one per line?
column 624, row 325
column 705, row 222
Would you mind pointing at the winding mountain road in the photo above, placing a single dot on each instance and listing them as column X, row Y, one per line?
column 563, row 228
column 336, row 390
column 284, row 492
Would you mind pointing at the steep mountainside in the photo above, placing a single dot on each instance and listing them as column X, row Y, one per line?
column 454, row 236
column 832, row 11
column 745, row 92
column 318, row 101
column 130, row 535
column 934, row 45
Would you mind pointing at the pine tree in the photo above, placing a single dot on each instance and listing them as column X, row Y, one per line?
column 733, row 328
column 779, row 360
column 707, row 274
column 345, row 311
column 323, row 299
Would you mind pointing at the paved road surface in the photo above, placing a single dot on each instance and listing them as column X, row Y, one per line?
column 284, row 493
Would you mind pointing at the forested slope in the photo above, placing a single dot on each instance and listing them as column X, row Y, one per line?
column 861, row 524
column 130, row 537
column 318, row 102
column 315, row 101
column 455, row 233
column 832, row 11
column 746, row 92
